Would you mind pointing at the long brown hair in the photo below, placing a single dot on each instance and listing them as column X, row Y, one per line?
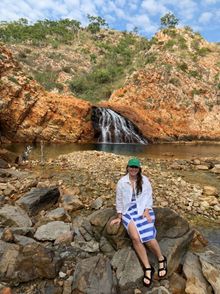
column 139, row 181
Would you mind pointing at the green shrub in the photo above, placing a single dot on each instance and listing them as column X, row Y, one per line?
column 183, row 66
column 47, row 79
column 175, row 81
column 194, row 73
column 169, row 44
column 203, row 51
column 101, row 75
column 188, row 28
column 150, row 58
column 13, row 79
column 182, row 43
column 93, row 58
column 41, row 33
column 79, row 85
column 170, row 32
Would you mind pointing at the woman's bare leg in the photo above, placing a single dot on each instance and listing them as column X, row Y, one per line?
column 139, row 248
column 155, row 248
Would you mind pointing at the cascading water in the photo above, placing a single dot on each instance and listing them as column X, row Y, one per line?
column 110, row 127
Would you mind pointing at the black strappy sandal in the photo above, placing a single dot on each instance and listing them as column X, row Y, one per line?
column 164, row 268
column 151, row 269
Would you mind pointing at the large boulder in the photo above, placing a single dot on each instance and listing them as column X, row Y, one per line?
column 128, row 268
column 52, row 230
column 20, row 264
column 14, row 216
column 94, row 275
column 173, row 233
column 210, row 261
column 38, row 199
column 195, row 281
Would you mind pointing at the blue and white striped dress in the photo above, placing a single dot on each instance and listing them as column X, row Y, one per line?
column 146, row 230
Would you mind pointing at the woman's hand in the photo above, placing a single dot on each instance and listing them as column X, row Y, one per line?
column 115, row 221
column 146, row 214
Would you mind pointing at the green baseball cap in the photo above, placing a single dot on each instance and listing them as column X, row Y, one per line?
column 134, row 162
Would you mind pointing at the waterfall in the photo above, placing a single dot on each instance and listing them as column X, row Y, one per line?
column 110, row 127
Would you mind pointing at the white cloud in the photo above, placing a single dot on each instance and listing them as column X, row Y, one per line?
column 187, row 9
column 123, row 14
column 205, row 17
column 142, row 22
column 210, row 1
column 133, row 5
column 153, row 7
column 120, row 3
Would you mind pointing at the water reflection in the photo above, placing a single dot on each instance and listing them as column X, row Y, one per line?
column 183, row 151
column 124, row 149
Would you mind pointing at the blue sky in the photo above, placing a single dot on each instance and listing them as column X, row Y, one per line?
column 203, row 16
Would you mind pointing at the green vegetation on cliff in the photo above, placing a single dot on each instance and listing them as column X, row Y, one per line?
column 93, row 61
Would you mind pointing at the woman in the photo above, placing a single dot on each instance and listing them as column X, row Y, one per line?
column 134, row 209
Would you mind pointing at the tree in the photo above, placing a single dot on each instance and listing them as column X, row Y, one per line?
column 96, row 23
column 169, row 20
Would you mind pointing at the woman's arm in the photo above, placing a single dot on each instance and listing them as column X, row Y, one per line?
column 119, row 205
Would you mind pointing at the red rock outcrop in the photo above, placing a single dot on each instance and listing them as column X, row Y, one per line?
column 173, row 98
column 28, row 113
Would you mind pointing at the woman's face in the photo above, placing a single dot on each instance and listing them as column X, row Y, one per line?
column 133, row 171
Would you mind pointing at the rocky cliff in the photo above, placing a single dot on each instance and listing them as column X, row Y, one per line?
column 173, row 95
column 29, row 113
column 176, row 96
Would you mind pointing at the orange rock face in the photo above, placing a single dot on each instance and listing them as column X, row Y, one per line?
column 174, row 96
column 28, row 113
column 172, row 105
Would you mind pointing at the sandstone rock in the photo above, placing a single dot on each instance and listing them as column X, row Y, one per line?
column 99, row 219
column 3, row 163
column 210, row 261
column 128, row 268
column 165, row 217
column 65, row 238
column 106, row 247
column 90, row 246
column 195, row 282
column 72, row 203
column 197, row 161
column 56, row 214
column 217, row 208
column 14, row 216
column 38, row 199
column 23, row 240
column 52, row 230
column 31, row 261
column 161, row 290
column 202, row 167
column 216, row 169
column 96, row 204
column 177, row 284
column 212, row 200
column 210, row 190
column 175, row 249
column 67, row 286
column 94, row 275
column 23, row 230
column 7, row 235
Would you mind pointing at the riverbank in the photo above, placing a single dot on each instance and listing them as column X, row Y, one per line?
column 58, row 208
column 177, row 184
